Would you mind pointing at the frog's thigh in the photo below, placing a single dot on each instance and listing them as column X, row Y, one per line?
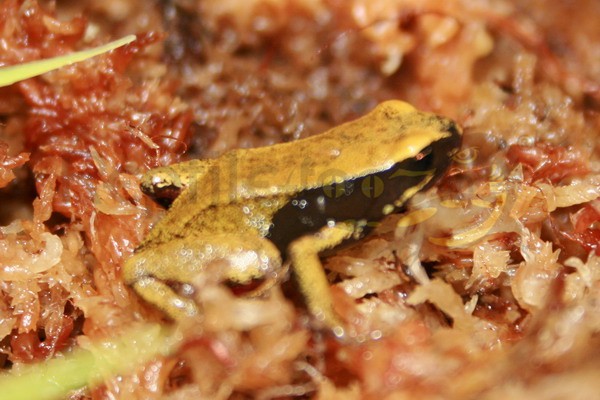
column 304, row 254
column 242, row 257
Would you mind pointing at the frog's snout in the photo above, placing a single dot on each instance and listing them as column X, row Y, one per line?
column 162, row 184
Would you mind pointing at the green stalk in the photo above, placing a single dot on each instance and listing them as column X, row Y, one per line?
column 19, row 72
column 57, row 377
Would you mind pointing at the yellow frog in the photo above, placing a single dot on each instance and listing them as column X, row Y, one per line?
column 250, row 210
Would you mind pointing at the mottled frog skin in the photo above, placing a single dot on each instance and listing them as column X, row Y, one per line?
column 251, row 210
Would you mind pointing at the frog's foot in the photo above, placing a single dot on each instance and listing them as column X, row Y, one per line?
column 304, row 254
column 160, row 294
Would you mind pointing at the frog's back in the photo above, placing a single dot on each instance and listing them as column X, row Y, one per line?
column 391, row 134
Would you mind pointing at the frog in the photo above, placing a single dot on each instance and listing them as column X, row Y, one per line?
column 252, row 212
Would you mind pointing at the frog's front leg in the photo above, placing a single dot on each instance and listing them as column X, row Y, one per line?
column 240, row 259
column 304, row 255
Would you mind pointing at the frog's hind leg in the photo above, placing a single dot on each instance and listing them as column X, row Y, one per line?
column 238, row 259
column 304, row 255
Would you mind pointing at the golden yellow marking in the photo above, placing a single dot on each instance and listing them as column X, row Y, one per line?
column 410, row 192
column 388, row 209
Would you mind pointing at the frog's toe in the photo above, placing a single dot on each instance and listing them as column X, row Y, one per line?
column 163, row 297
